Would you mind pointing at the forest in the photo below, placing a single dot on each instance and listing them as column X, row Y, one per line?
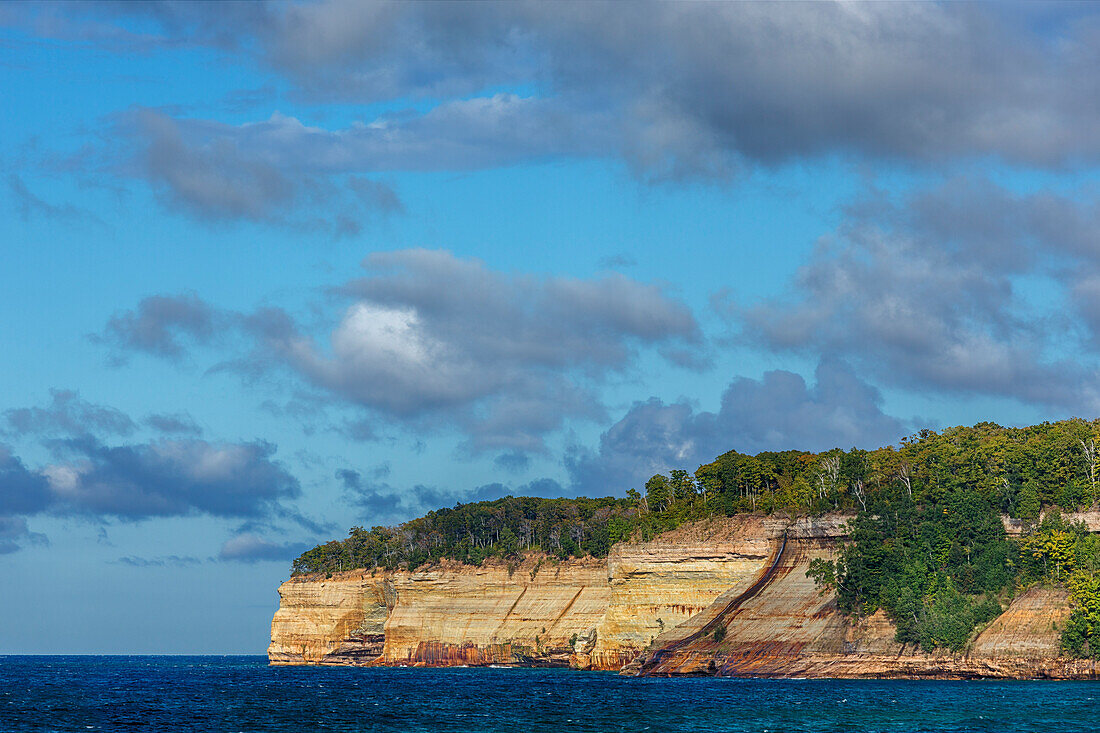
column 927, row 544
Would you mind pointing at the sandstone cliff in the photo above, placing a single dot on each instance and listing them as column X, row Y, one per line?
column 530, row 614
column 649, row 609
column 784, row 627
column 452, row 614
column 658, row 586
column 331, row 621
column 590, row 614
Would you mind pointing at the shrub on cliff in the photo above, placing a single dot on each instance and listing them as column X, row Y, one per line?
column 933, row 568
column 1081, row 636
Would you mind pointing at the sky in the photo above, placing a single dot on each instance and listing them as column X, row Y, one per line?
column 273, row 270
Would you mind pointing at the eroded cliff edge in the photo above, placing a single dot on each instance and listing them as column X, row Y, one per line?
column 585, row 613
column 650, row 609
column 786, row 628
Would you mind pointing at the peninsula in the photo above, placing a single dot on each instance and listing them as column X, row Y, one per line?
column 965, row 553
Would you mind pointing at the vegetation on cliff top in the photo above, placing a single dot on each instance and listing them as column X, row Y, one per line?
column 936, row 567
column 928, row 546
column 939, row 571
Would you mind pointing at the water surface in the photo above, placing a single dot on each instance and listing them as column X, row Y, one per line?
column 243, row 694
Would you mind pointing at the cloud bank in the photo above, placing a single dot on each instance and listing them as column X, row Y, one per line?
column 135, row 481
column 780, row 411
column 430, row 340
column 935, row 291
column 674, row 91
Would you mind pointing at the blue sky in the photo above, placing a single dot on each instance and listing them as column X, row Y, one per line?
column 274, row 270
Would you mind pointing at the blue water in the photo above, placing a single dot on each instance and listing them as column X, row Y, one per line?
column 244, row 694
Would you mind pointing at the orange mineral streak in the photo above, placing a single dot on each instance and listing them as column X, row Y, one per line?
column 725, row 597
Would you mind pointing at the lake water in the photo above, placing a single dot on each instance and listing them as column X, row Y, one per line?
column 244, row 694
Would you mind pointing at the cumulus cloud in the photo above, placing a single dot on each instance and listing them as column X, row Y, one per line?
column 376, row 195
column 260, row 170
column 14, row 535
column 676, row 91
column 620, row 261
column 210, row 178
column 432, row 340
column 351, row 480
column 513, row 461
column 29, row 206
column 932, row 293
column 167, row 478
column 382, row 503
column 762, row 82
column 175, row 476
column 161, row 325
column 176, row 423
column 360, row 430
column 778, row 412
column 22, row 491
column 67, row 414
column 251, row 548
column 175, row 561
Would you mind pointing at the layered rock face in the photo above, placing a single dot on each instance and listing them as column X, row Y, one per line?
column 722, row 597
column 531, row 614
column 657, row 587
column 534, row 613
column 783, row 627
column 338, row 620
column 585, row 613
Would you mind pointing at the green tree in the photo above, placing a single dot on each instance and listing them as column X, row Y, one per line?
column 1081, row 637
column 1027, row 505
column 658, row 493
column 509, row 542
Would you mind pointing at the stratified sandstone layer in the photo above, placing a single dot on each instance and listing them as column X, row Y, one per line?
column 658, row 586
column 585, row 613
column 786, row 628
column 530, row 614
column 338, row 620
column 721, row 597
